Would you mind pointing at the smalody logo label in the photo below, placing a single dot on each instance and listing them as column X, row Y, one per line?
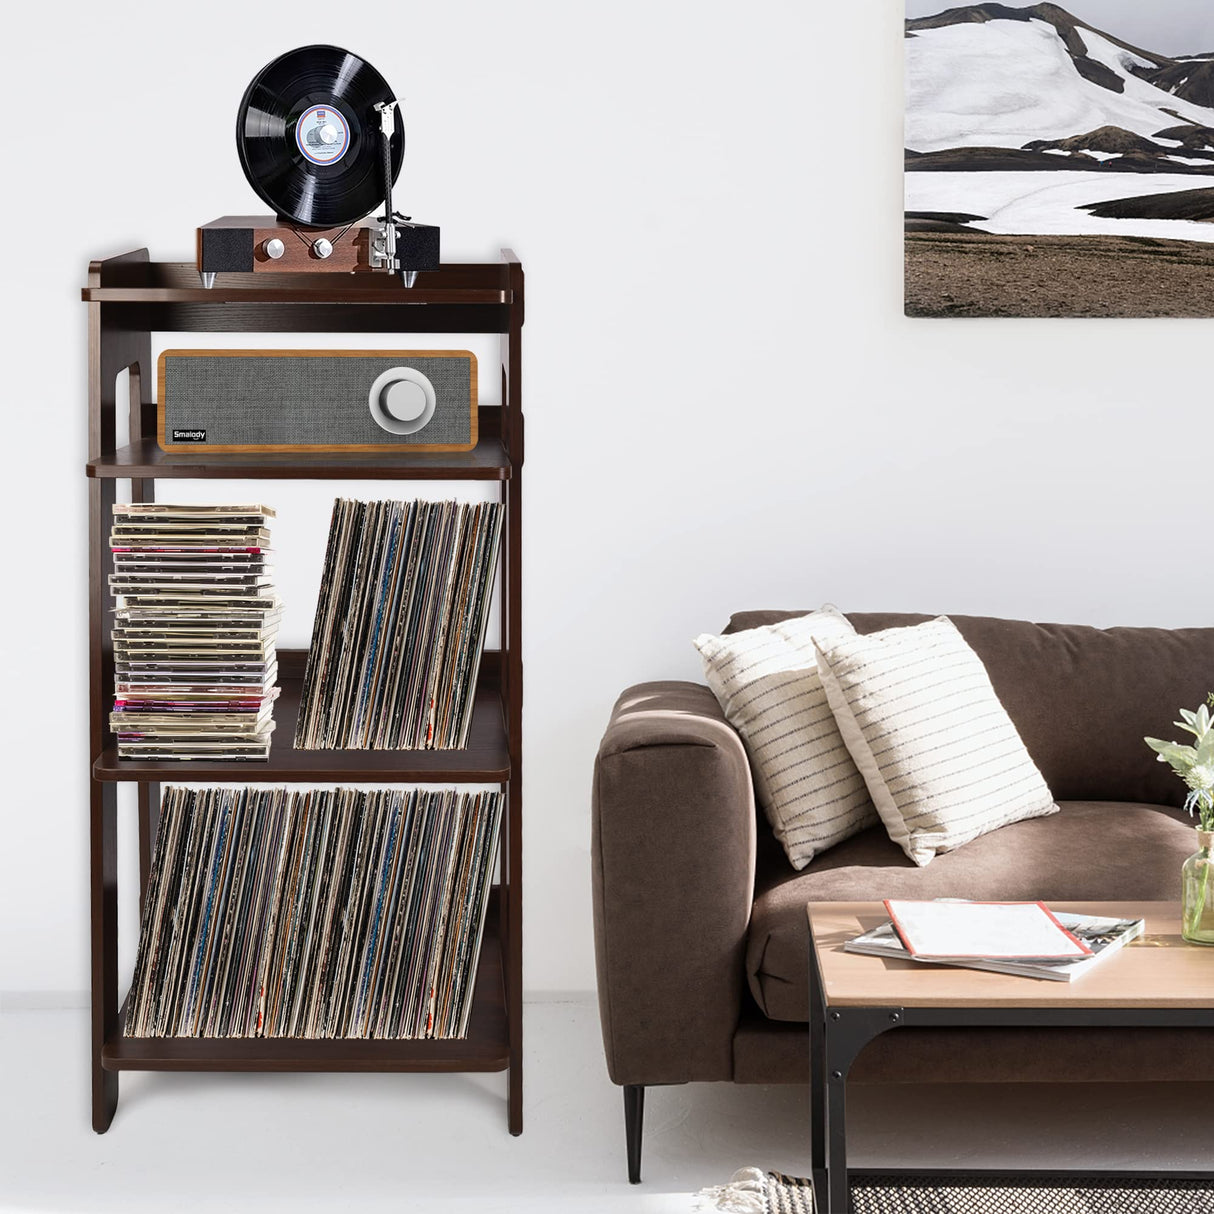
column 189, row 436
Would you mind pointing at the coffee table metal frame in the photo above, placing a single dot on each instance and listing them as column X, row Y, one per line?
column 838, row 1034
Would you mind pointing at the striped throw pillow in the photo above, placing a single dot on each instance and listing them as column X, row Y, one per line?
column 940, row 755
column 766, row 680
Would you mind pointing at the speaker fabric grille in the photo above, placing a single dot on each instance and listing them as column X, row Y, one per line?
column 305, row 400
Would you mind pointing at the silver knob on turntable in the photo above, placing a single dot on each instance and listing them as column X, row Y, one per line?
column 274, row 248
column 322, row 248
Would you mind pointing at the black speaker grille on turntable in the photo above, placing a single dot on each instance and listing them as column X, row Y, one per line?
column 225, row 249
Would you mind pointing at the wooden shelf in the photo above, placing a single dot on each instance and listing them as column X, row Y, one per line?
column 391, row 292
column 129, row 298
column 486, row 1048
column 462, row 297
column 164, row 282
column 485, row 760
column 488, row 461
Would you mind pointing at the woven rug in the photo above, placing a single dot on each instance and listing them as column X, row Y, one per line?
column 751, row 1191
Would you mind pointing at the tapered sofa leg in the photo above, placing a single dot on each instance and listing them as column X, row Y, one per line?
column 634, row 1118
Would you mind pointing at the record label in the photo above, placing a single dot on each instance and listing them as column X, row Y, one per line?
column 322, row 134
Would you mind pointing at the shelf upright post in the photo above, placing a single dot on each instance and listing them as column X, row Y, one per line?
column 512, row 684
column 113, row 345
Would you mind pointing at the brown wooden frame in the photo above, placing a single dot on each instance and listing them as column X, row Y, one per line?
column 129, row 297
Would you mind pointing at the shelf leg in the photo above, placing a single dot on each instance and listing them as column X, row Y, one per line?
column 103, row 843
column 513, row 938
column 515, row 1085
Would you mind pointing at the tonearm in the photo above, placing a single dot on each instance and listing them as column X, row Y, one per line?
column 396, row 248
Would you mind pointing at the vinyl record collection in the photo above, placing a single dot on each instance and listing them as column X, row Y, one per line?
column 314, row 914
column 194, row 660
column 400, row 621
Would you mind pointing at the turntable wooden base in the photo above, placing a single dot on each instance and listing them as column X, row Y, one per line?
column 247, row 243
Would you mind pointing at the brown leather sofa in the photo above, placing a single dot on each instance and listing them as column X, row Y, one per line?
column 700, row 929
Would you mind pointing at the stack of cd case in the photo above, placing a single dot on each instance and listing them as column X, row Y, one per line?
column 195, row 670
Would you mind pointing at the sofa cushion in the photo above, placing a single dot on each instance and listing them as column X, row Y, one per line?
column 1095, row 851
column 1082, row 698
column 940, row 755
column 766, row 680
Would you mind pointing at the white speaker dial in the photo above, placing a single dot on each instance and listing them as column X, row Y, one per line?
column 405, row 400
column 402, row 400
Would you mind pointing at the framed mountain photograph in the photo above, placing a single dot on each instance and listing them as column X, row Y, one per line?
column 1060, row 161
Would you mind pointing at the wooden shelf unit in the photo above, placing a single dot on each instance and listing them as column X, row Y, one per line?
column 130, row 297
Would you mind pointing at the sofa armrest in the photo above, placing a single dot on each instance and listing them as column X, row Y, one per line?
column 674, row 856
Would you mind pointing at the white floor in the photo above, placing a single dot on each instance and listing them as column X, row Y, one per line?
column 260, row 1143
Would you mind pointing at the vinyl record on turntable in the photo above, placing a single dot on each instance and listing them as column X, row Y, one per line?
column 307, row 135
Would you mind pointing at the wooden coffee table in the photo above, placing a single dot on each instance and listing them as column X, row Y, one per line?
column 1159, row 981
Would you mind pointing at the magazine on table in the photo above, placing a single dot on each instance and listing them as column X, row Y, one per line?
column 1101, row 935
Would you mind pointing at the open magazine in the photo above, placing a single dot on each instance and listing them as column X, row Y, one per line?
column 1104, row 936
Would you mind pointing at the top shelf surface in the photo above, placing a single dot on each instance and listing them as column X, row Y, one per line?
column 163, row 282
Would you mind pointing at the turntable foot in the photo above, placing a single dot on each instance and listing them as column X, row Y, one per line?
column 208, row 278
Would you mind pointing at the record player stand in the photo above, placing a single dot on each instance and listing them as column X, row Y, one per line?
column 130, row 297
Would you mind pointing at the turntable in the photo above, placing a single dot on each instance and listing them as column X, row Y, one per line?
column 321, row 142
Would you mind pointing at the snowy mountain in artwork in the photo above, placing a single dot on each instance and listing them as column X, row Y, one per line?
column 996, row 96
column 993, row 76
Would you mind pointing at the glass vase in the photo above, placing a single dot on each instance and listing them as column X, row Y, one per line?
column 1197, row 897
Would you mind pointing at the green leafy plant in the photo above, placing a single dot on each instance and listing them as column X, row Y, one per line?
column 1194, row 764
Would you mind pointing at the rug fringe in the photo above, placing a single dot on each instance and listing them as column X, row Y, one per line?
column 746, row 1193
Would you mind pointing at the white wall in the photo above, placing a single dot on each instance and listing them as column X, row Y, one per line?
column 725, row 406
